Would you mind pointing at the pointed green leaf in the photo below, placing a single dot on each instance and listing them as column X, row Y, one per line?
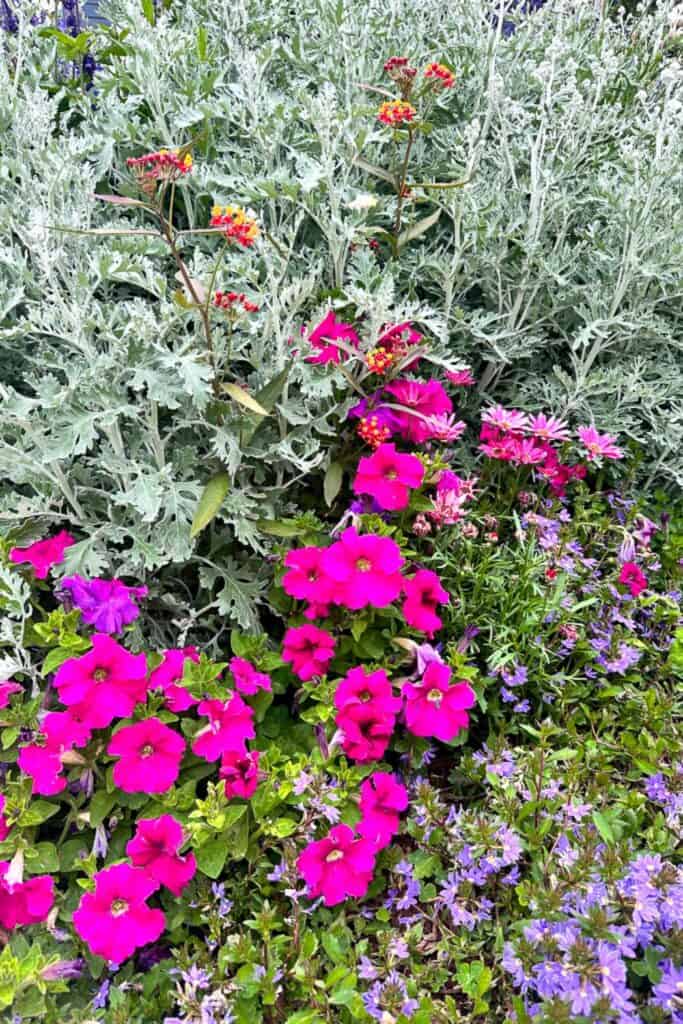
column 244, row 398
column 379, row 172
column 211, row 500
column 417, row 229
column 332, row 482
column 603, row 826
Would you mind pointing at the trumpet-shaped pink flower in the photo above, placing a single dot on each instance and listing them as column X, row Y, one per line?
column 361, row 687
column 108, row 605
column 248, row 679
column 230, row 725
column 115, row 920
column 382, row 799
column 324, row 336
column 309, row 651
column 633, row 578
column 150, row 754
column 548, row 428
column 421, row 400
column 364, row 570
column 155, row 848
column 438, row 707
column 44, row 553
column 5, row 829
column 305, row 579
column 239, row 769
column 599, row 446
column 7, row 688
column 505, row 419
column 103, row 684
column 61, row 731
column 23, row 903
column 424, row 594
column 168, row 674
column 366, row 730
column 389, row 476
column 337, row 867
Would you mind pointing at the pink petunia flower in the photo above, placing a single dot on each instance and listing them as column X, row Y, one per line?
column 548, row 428
column 389, row 476
column 337, row 867
column 5, row 829
column 155, row 848
column 7, row 688
column 230, row 725
column 23, row 903
column 108, row 605
column 366, row 731
column 168, row 674
column 150, row 754
column 248, row 679
column 61, row 731
column 633, row 578
column 364, row 570
column 103, row 684
column 424, row 594
column 420, row 400
column 309, row 650
column 361, row 687
column 115, row 920
column 599, row 445
column 44, row 553
column 239, row 769
column 505, row 419
column 305, row 579
column 382, row 799
column 461, row 378
column 437, row 707
column 325, row 334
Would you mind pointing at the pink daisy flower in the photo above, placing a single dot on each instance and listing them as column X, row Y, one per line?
column 155, row 848
column 382, row 799
column 44, row 553
column 115, row 920
column 436, row 707
column 461, row 378
column 364, row 570
column 599, row 445
column 309, row 650
column 103, row 684
column 548, row 428
column 239, row 769
column 150, row 754
column 389, row 476
column 424, row 594
column 505, row 419
column 231, row 724
column 337, row 867
column 445, row 428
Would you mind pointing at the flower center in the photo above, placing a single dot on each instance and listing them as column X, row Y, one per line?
column 334, row 855
column 147, row 750
column 365, row 696
column 312, row 576
column 390, row 474
column 435, row 697
column 100, row 674
column 363, row 565
column 118, row 907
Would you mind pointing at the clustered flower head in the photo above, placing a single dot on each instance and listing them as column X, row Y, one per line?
column 238, row 225
column 396, row 113
column 440, row 75
column 399, row 71
column 230, row 302
column 164, row 165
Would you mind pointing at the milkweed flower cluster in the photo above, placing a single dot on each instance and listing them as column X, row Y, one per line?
column 230, row 302
column 238, row 225
column 440, row 75
column 396, row 113
column 164, row 165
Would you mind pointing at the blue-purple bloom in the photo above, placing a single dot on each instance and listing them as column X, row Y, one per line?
column 108, row 605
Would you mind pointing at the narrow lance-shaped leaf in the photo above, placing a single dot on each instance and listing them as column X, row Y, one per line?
column 244, row 398
column 417, row 229
column 211, row 500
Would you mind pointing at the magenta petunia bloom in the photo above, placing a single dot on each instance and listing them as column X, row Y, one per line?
column 305, row 579
column 337, row 867
column 167, row 675
column 103, row 684
column 599, row 445
column 44, row 553
column 366, row 731
column 364, row 570
column 23, row 903
column 5, row 829
column 309, row 650
column 382, row 799
column 361, row 687
column 424, row 594
column 150, row 754
column 389, row 476
column 60, row 732
column 154, row 848
column 248, row 680
column 108, row 605
column 7, row 688
column 230, row 725
column 420, row 400
column 324, row 336
column 437, row 707
column 115, row 920
column 633, row 578
column 239, row 769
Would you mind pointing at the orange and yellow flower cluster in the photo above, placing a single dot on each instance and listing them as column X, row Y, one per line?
column 378, row 360
column 372, row 431
column 440, row 75
column 239, row 226
column 164, row 165
column 396, row 112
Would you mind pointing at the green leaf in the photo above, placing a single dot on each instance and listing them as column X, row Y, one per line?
column 417, row 229
column 332, row 482
column 211, row 500
column 148, row 10
column 371, row 168
column 280, row 527
column 54, row 659
column 119, row 200
column 211, row 857
column 267, row 398
column 202, row 38
column 100, row 806
column 243, row 397
column 603, row 826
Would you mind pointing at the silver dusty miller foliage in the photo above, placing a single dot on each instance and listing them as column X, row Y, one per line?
column 555, row 271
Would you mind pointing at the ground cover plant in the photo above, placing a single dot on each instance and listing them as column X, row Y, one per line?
column 341, row 645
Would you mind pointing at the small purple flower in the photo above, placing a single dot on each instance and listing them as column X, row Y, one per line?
column 108, row 605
